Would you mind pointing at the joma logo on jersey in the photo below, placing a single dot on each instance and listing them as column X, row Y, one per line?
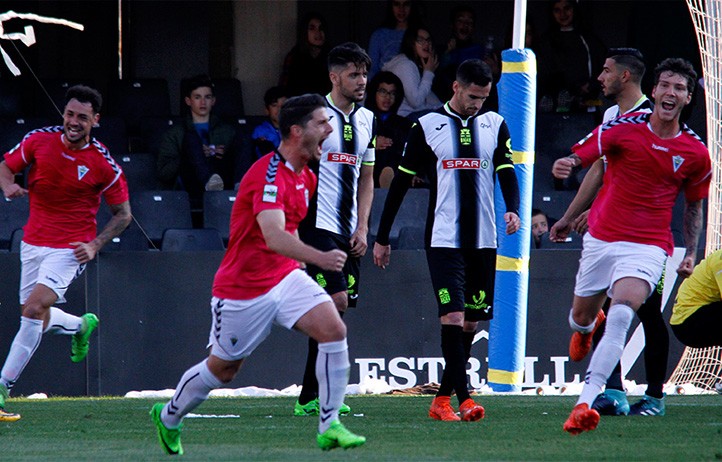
column 465, row 136
column 469, row 164
column 342, row 158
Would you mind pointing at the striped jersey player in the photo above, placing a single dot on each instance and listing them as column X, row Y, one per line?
column 463, row 153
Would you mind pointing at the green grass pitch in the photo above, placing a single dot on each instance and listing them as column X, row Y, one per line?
column 397, row 428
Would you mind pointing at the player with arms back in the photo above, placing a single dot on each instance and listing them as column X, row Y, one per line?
column 69, row 173
column 260, row 282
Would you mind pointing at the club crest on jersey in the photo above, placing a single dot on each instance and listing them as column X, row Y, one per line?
column 270, row 191
column 82, row 170
column 465, row 136
column 342, row 158
column 347, row 132
column 677, row 162
column 464, row 164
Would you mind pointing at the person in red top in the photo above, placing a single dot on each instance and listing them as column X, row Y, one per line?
column 260, row 282
column 651, row 158
column 69, row 171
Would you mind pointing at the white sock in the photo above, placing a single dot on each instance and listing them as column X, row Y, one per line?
column 62, row 323
column 24, row 345
column 332, row 369
column 608, row 352
column 191, row 391
column 581, row 329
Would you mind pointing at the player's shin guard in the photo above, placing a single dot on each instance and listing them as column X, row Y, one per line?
column 192, row 390
column 607, row 353
column 24, row 344
column 332, row 369
column 62, row 323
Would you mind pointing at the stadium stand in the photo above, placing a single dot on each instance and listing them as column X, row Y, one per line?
column 217, row 207
column 555, row 135
column 111, row 131
column 411, row 238
column 179, row 240
column 51, row 104
column 13, row 99
column 13, row 215
column 151, row 132
column 412, row 213
column 133, row 99
column 140, row 171
column 15, row 240
column 156, row 211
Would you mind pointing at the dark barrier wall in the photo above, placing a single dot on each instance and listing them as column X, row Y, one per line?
column 155, row 317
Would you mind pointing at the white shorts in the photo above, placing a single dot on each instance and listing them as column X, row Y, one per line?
column 604, row 263
column 239, row 326
column 54, row 268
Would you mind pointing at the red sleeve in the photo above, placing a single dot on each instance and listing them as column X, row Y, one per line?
column 697, row 188
column 117, row 192
column 20, row 156
column 589, row 148
column 266, row 196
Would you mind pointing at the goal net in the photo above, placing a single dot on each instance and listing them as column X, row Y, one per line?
column 702, row 367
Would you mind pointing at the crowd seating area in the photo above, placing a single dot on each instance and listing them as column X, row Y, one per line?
column 137, row 112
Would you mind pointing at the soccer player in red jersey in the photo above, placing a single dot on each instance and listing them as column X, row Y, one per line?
column 260, row 282
column 69, row 172
column 651, row 158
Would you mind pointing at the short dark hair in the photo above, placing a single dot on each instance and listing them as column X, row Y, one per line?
column 197, row 81
column 460, row 9
column 297, row 111
column 373, row 87
column 535, row 212
column 84, row 94
column 273, row 94
column 677, row 66
column 474, row 71
column 630, row 59
column 348, row 53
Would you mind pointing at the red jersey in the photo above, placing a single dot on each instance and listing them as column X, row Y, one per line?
column 644, row 175
column 249, row 268
column 65, row 186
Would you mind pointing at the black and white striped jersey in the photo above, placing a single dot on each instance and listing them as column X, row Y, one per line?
column 335, row 204
column 461, row 158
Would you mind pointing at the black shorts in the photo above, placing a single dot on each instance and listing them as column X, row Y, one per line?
column 463, row 280
column 334, row 282
column 702, row 328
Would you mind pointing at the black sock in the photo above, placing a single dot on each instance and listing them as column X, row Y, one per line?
column 468, row 342
column 452, row 348
column 309, row 390
column 614, row 381
column 656, row 349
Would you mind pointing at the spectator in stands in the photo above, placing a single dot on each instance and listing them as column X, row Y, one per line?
column 697, row 313
column 267, row 136
column 385, row 42
column 385, row 93
column 568, row 57
column 305, row 69
column 200, row 153
column 539, row 226
column 69, row 172
column 415, row 66
column 460, row 47
column 461, row 238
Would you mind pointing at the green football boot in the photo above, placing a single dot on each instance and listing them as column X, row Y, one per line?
column 169, row 437
column 79, row 343
column 337, row 436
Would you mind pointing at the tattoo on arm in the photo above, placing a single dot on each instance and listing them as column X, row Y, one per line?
column 692, row 226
